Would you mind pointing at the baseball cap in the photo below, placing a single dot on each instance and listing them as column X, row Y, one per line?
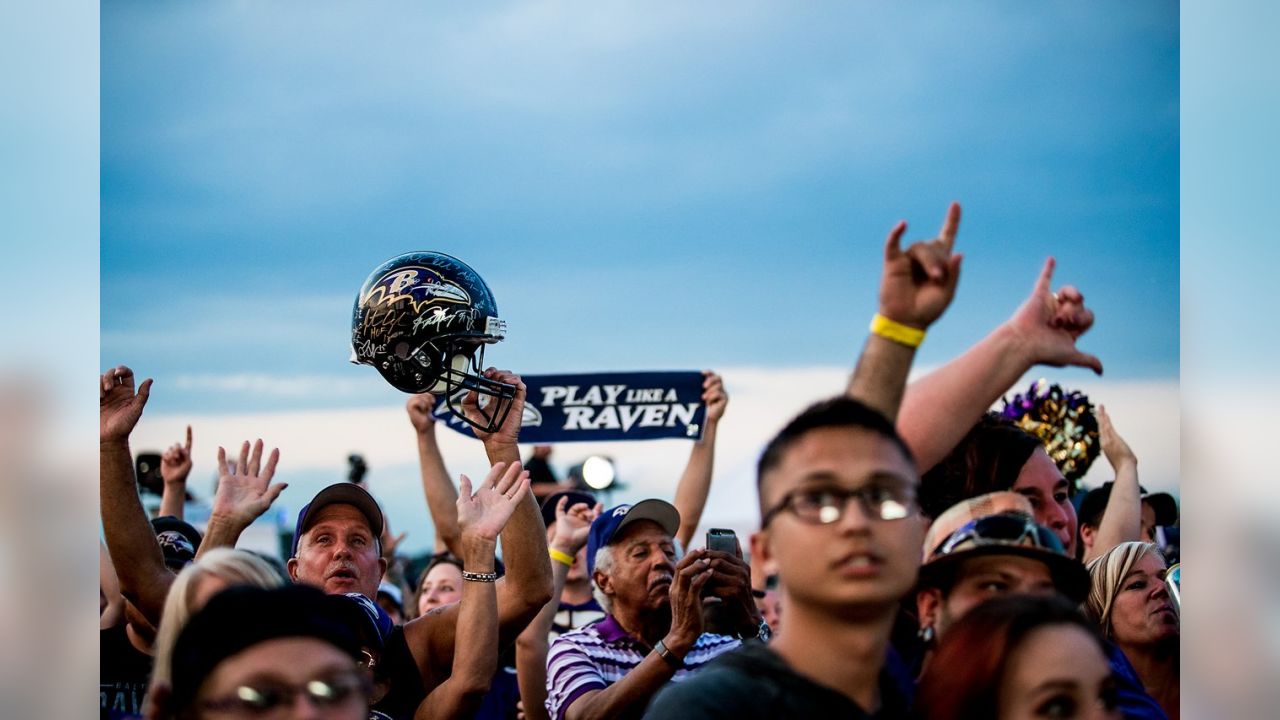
column 392, row 591
column 366, row 616
column 343, row 493
column 240, row 617
column 606, row 526
column 946, row 547
column 179, row 541
column 575, row 497
column 1094, row 505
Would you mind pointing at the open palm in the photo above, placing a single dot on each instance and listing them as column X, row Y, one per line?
column 484, row 512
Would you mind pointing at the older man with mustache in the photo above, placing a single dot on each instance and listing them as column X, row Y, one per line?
column 653, row 632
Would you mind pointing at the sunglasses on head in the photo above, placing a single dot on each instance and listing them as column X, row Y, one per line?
column 1013, row 529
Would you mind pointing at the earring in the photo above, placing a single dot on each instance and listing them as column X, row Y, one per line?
column 926, row 634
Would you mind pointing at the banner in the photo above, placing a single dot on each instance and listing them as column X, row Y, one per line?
column 589, row 407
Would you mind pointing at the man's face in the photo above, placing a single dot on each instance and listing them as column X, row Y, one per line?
column 979, row 579
column 857, row 562
column 338, row 553
column 1148, row 523
column 290, row 663
column 644, row 559
column 1042, row 483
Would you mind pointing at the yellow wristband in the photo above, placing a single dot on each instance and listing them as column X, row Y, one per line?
column 896, row 331
column 560, row 557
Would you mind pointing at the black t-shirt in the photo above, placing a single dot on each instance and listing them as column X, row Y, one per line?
column 755, row 682
column 398, row 666
column 123, row 676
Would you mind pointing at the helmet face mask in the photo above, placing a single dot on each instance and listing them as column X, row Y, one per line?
column 422, row 320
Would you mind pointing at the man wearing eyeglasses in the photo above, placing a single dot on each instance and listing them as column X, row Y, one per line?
column 840, row 523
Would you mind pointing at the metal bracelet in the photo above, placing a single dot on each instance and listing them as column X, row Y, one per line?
column 480, row 576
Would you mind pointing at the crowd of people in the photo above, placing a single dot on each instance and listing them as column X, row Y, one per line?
column 916, row 556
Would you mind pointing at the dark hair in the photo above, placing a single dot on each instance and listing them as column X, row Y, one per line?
column 963, row 678
column 839, row 412
column 988, row 459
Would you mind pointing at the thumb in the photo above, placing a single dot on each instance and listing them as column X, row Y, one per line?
column 273, row 492
column 144, row 391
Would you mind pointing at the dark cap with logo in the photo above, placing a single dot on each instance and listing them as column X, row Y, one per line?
column 179, row 541
column 606, row 526
column 343, row 493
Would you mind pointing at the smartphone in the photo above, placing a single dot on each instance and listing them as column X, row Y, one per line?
column 722, row 540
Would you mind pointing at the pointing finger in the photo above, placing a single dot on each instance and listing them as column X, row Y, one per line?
column 950, row 225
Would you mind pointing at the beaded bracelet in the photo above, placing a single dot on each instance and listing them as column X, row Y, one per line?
column 480, row 576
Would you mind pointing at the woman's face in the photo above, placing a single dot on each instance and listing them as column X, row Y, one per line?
column 1142, row 613
column 1058, row 671
column 441, row 586
column 1043, row 485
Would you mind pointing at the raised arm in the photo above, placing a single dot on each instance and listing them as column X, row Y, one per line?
column 139, row 563
column 112, row 613
column 572, row 526
column 527, row 585
column 942, row 406
column 175, row 467
column 436, row 486
column 243, row 495
column 481, row 517
column 1122, row 519
column 916, row 286
column 695, row 482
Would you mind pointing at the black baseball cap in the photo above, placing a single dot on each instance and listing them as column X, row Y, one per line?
column 179, row 541
column 575, row 497
column 1094, row 505
column 240, row 617
column 343, row 493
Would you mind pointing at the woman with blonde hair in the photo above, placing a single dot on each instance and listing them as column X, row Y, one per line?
column 211, row 573
column 1130, row 603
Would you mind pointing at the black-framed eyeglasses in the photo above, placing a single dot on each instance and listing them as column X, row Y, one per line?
column 1000, row 529
column 885, row 498
column 268, row 699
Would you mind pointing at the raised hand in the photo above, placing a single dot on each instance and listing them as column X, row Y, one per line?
column 419, row 408
column 244, row 494
column 573, row 525
column 713, row 395
column 119, row 407
column 509, row 433
column 692, row 572
column 483, row 513
column 918, row 284
column 175, row 463
column 1113, row 446
column 1048, row 324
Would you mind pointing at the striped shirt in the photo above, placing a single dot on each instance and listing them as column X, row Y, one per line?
column 597, row 655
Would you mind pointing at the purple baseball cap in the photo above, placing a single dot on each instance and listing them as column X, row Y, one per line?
column 606, row 527
column 343, row 493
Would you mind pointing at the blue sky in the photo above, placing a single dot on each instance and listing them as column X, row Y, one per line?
column 643, row 186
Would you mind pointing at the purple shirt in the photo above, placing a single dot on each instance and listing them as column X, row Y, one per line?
column 595, row 656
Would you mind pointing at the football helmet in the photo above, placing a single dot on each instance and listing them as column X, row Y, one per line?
column 422, row 320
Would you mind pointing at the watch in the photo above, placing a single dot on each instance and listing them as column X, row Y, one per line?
column 665, row 653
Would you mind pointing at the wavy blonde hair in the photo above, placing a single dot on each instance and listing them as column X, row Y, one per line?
column 1106, row 573
column 234, row 567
